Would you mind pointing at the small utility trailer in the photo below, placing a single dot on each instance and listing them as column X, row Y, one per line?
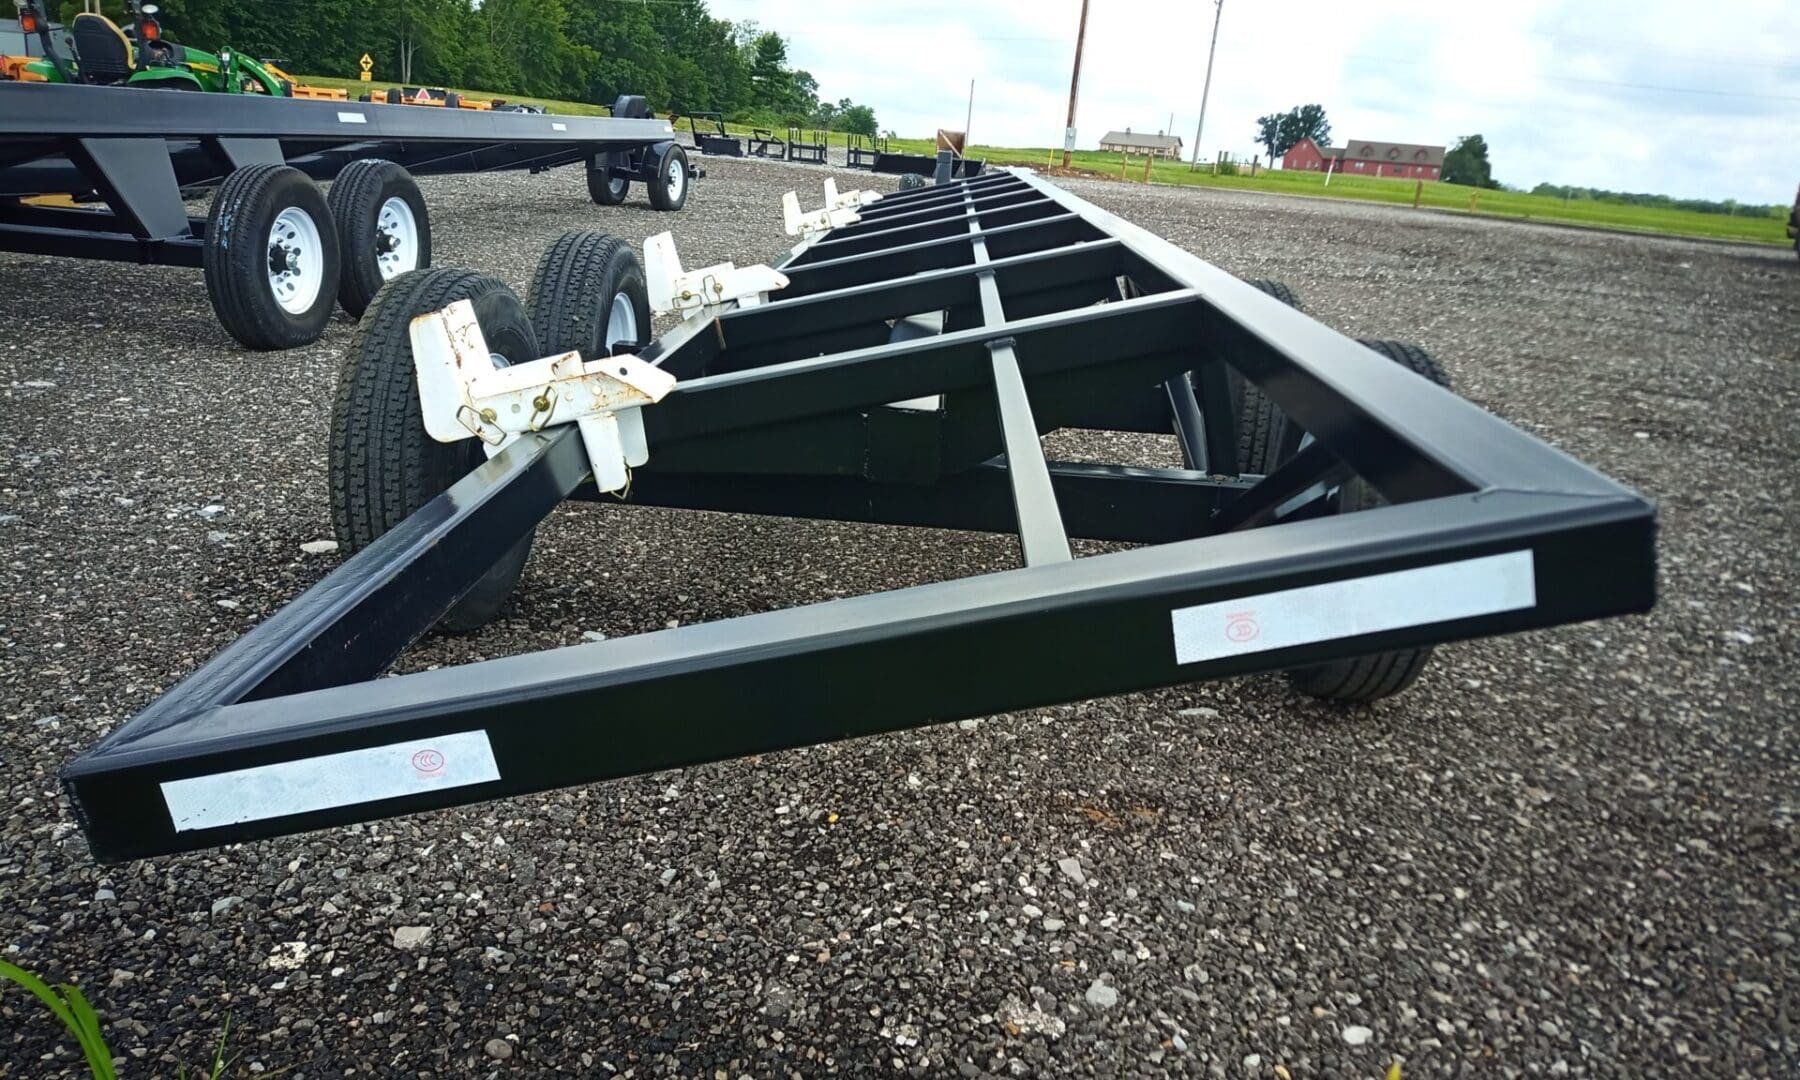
column 101, row 172
column 1334, row 514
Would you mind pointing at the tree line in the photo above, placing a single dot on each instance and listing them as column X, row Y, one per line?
column 673, row 51
column 1666, row 202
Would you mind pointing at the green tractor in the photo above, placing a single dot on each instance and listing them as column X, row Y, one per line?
column 105, row 55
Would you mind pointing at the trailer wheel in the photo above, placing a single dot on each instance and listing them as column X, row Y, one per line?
column 911, row 181
column 1265, row 438
column 669, row 189
column 588, row 295
column 1378, row 675
column 605, row 188
column 271, row 257
column 383, row 464
column 383, row 227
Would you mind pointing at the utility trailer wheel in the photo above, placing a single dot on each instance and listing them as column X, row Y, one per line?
column 1378, row 675
column 669, row 189
column 1265, row 438
column 911, row 181
column 271, row 257
column 605, row 188
column 383, row 227
column 383, row 464
column 588, row 295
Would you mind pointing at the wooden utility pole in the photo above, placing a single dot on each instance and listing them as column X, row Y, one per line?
column 1206, row 87
column 1074, row 85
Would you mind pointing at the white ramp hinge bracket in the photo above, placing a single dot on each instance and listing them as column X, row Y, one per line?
column 465, row 391
column 688, row 293
column 838, row 210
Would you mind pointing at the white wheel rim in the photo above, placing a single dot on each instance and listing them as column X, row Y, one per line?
column 296, row 261
column 677, row 178
column 396, row 239
column 616, row 185
column 621, row 322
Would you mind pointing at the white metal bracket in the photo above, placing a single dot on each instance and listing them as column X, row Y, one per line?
column 466, row 392
column 688, row 293
column 839, row 210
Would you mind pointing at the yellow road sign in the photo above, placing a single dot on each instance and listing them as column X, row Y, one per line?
column 368, row 65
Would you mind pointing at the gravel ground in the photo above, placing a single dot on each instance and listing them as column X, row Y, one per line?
column 1563, row 853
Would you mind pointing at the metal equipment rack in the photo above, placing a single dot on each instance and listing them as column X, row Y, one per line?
column 995, row 309
column 807, row 149
column 860, row 151
column 137, row 152
column 766, row 144
column 715, row 139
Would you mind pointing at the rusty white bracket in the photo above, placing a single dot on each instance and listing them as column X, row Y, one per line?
column 466, row 391
column 688, row 293
column 838, row 210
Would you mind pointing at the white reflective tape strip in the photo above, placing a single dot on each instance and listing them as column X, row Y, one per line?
column 352, row 118
column 1364, row 605
column 559, row 127
column 331, row 780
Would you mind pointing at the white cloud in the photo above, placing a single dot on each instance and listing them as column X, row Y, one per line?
column 1569, row 91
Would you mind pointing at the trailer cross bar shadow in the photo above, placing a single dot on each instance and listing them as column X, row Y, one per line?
column 905, row 377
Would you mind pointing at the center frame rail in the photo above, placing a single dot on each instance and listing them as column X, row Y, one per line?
column 994, row 309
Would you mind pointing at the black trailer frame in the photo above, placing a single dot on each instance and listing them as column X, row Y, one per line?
column 1015, row 309
column 898, row 163
column 136, row 151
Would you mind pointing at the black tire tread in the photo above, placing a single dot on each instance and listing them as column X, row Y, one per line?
column 658, row 188
column 381, row 459
column 565, row 301
column 1262, row 426
column 234, row 274
column 356, row 197
column 1368, row 678
column 599, row 182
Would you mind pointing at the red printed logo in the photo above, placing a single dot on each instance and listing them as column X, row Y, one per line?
column 1240, row 626
column 428, row 762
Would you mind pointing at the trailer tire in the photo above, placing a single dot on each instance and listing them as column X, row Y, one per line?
column 1378, row 675
column 588, row 295
column 261, row 210
column 668, row 190
column 384, row 229
column 383, row 466
column 605, row 188
column 1265, row 438
column 911, row 181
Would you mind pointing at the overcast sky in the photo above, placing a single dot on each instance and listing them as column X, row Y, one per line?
column 1685, row 98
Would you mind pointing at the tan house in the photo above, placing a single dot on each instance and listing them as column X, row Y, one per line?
column 1137, row 142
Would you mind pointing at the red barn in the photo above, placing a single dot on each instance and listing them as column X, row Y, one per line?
column 1359, row 158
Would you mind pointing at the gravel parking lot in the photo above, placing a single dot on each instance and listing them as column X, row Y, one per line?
column 1564, row 853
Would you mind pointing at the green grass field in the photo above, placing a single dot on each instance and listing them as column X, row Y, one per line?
column 1756, row 228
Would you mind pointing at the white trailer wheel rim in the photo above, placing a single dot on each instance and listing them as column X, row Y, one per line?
column 296, row 261
column 621, row 322
column 616, row 185
column 397, row 225
column 677, row 177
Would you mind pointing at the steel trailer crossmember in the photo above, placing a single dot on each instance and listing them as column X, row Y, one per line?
column 994, row 309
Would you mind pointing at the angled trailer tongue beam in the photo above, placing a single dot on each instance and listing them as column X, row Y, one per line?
column 903, row 375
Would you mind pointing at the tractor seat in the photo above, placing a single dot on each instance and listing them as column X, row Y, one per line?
column 102, row 52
